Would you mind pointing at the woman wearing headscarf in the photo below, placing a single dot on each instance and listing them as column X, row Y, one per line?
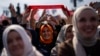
column 46, row 39
column 84, row 42
column 17, row 42
column 65, row 33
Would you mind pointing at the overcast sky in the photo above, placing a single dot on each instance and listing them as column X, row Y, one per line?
column 5, row 3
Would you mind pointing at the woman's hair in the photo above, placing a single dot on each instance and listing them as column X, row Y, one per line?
column 5, row 23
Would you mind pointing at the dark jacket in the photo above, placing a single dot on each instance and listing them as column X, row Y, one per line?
column 66, row 49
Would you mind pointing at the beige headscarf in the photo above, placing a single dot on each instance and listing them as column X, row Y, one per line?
column 29, row 50
column 78, row 39
column 62, row 34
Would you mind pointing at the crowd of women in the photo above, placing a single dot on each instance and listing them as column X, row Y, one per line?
column 49, row 36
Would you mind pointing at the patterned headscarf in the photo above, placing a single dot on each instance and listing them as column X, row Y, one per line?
column 42, row 39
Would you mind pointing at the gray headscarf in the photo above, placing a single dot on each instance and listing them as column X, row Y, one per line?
column 61, row 38
column 78, row 39
column 62, row 34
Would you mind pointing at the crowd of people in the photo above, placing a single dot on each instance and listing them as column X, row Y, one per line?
column 21, row 35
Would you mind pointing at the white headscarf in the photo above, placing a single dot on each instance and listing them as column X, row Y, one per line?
column 29, row 50
column 98, row 32
column 78, row 40
column 62, row 34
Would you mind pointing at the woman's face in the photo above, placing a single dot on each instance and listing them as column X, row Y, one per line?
column 69, row 33
column 87, row 23
column 15, row 44
column 46, row 33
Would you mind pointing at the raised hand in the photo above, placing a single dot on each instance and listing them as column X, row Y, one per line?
column 25, row 16
column 32, row 19
column 12, row 10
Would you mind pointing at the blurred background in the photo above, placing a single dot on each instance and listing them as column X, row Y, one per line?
column 70, row 4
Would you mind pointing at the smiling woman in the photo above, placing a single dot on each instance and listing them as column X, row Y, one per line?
column 46, row 34
column 46, row 38
column 84, row 42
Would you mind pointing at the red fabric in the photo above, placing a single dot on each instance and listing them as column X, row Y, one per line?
column 49, row 7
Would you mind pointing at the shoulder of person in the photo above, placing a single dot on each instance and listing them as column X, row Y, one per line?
column 36, row 52
column 4, row 52
column 66, row 48
column 67, row 43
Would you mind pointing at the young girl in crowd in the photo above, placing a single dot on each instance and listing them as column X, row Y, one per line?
column 84, row 42
column 17, row 42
